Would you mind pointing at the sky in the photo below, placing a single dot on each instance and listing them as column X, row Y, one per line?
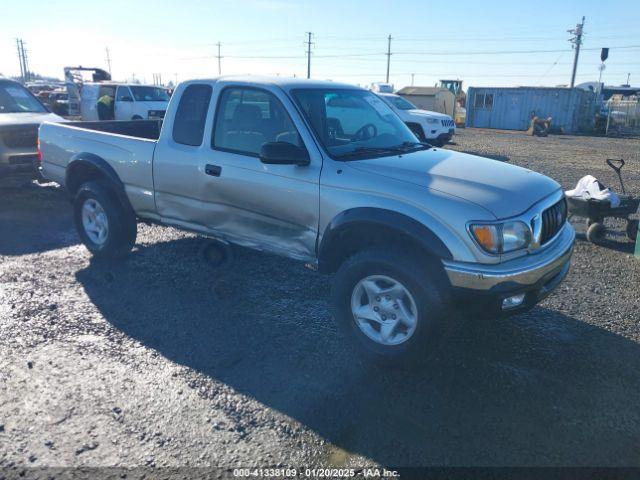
column 483, row 43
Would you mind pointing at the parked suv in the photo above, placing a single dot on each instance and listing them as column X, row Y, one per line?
column 329, row 175
column 435, row 128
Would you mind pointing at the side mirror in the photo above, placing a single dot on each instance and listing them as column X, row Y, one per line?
column 283, row 153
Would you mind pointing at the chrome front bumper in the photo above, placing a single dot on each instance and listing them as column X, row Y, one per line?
column 528, row 272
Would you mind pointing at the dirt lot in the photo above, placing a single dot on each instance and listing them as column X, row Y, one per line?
column 163, row 361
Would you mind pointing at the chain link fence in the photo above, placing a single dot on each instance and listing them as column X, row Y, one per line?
column 623, row 117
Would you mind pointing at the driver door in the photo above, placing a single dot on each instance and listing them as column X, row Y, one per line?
column 217, row 183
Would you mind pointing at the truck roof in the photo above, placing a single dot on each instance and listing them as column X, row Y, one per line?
column 286, row 83
column 121, row 84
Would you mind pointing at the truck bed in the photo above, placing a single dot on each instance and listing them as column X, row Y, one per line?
column 126, row 146
column 149, row 129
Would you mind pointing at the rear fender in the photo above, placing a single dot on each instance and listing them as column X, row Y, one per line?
column 88, row 166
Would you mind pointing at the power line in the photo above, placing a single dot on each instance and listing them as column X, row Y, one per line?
column 550, row 68
column 481, row 75
column 406, row 53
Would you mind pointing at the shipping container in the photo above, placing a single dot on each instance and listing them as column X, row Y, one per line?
column 571, row 109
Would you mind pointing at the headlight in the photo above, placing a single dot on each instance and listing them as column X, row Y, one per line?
column 432, row 120
column 501, row 237
column 515, row 235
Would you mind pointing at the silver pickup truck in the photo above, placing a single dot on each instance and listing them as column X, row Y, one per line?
column 327, row 174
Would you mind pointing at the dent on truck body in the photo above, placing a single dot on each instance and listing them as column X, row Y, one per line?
column 245, row 228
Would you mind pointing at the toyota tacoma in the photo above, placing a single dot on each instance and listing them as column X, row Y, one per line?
column 329, row 175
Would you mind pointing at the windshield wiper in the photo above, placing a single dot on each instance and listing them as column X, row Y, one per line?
column 402, row 148
column 360, row 151
column 408, row 146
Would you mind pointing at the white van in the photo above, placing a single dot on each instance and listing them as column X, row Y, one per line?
column 131, row 101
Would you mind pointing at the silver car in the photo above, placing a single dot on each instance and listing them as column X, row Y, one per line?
column 21, row 113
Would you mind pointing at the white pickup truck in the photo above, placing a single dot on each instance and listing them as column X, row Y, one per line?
column 327, row 174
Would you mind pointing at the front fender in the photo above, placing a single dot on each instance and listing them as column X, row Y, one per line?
column 367, row 219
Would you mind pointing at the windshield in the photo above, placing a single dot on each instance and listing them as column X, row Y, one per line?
column 14, row 98
column 400, row 103
column 354, row 123
column 149, row 94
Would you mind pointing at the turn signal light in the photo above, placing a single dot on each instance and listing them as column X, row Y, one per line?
column 487, row 236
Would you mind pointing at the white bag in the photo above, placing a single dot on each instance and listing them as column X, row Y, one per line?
column 589, row 187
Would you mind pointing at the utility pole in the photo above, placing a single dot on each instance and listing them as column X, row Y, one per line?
column 108, row 60
column 25, row 59
column 25, row 76
column 628, row 77
column 576, row 40
column 388, row 56
column 309, row 54
column 219, row 57
column 22, row 75
column 412, row 75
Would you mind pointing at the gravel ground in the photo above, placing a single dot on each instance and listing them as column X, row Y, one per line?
column 161, row 360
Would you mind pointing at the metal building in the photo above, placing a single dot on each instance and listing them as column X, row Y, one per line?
column 436, row 99
column 571, row 109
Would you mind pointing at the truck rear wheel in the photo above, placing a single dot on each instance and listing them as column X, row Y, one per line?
column 390, row 306
column 105, row 227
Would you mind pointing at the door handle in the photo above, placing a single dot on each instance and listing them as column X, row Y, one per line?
column 213, row 170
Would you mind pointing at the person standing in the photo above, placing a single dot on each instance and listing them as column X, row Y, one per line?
column 105, row 107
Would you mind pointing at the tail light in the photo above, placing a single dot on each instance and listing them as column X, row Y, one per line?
column 39, row 154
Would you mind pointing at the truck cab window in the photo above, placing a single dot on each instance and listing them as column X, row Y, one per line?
column 247, row 118
column 188, row 125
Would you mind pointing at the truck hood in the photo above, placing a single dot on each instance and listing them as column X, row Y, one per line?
column 28, row 118
column 504, row 190
column 429, row 113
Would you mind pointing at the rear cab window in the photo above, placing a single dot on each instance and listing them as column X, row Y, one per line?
column 191, row 115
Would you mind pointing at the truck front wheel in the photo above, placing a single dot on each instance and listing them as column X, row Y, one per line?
column 390, row 306
column 105, row 227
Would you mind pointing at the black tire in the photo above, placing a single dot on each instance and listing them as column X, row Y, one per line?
column 424, row 280
column 591, row 221
column 122, row 226
column 136, row 117
column 632, row 229
column 216, row 254
column 596, row 232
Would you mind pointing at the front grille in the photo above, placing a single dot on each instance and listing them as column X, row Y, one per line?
column 20, row 136
column 553, row 219
column 447, row 123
